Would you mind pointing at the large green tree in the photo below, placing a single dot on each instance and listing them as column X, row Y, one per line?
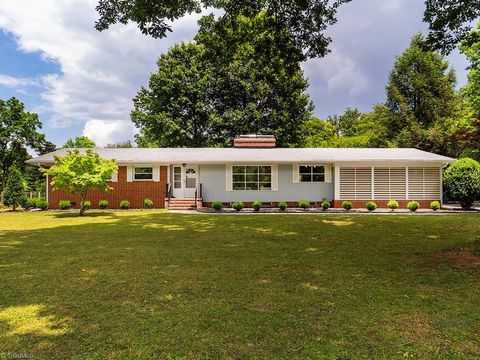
column 421, row 98
column 303, row 21
column 15, row 189
column 80, row 142
column 19, row 131
column 234, row 80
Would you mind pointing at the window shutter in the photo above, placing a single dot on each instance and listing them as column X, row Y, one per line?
column 228, row 178
column 129, row 173
column 328, row 174
column 275, row 177
column 156, row 173
column 295, row 173
column 115, row 177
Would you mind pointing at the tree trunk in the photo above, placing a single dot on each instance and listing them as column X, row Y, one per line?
column 82, row 208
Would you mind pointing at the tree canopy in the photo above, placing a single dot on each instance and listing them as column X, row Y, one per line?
column 78, row 173
column 304, row 22
column 80, row 142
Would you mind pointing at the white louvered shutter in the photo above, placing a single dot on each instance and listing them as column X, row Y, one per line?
column 431, row 187
column 156, row 173
column 347, row 183
column 228, row 177
column 328, row 173
column 275, row 177
column 129, row 173
column 295, row 174
column 114, row 177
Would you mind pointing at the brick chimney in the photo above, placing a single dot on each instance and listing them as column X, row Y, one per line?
column 254, row 141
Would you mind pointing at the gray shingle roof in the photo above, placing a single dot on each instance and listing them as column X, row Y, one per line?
column 233, row 155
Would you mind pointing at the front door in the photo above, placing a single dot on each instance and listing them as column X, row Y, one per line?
column 185, row 179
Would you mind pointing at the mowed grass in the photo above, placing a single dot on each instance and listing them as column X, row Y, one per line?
column 150, row 284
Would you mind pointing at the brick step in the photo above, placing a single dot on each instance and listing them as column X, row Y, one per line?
column 181, row 208
column 182, row 201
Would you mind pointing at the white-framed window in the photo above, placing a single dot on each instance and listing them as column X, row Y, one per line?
column 143, row 173
column 177, row 177
column 252, row 177
column 311, row 173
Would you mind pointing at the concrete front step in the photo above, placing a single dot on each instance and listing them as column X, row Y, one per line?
column 182, row 204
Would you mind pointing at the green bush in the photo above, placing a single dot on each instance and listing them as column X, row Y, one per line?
column 282, row 205
column 124, row 204
column 41, row 204
column 462, row 182
column 148, row 204
column 32, row 203
column 393, row 204
column 87, row 205
column 65, row 204
column 238, row 205
column 371, row 206
column 257, row 205
column 347, row 205
column 435, row 205
column 304, row 204
column 325, row 205
column 103, row 204
column 217, row 205
column 413, row 206
column 14, row 192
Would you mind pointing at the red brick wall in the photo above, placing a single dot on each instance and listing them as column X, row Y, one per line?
column 135, row 192
column 382, row 203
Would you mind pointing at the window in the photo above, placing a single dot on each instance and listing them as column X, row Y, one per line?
column 143, row 173
column 251, row 177
column 311, row 173
column 177, row 177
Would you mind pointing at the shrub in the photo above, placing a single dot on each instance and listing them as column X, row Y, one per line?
column 87, row 205
column 42, row 204
column 103, row 204
column 65, row 204
column 148, row 204
column 304, row 204
column 282, row 205
column 371, row 206
column 217, row 205
column 413, row 206
column 325, row 205
column 238, row 205
column 32, row 203
column 435, row 205
column 124, row 204
column 14, row 192
column 347, row 205
column 393, row 204
column 257, row 205
column 462, row 182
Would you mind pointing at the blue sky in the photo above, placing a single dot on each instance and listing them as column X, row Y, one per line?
column 81, row 81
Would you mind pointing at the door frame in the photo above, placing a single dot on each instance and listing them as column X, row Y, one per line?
column 182, row 191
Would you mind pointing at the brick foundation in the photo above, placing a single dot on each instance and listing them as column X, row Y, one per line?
column 361, row 204
column 135, row 192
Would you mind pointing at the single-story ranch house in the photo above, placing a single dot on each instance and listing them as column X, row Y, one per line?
column 254, row 169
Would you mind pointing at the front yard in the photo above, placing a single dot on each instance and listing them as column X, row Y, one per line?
column 144, row 284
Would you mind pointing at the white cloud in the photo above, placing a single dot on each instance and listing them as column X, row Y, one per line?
column 100, row 71
column 16, row 82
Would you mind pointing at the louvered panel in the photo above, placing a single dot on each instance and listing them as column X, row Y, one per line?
column 347, row 183
column 363, row 183
column 398, row 183
column 415, row 183
column 432, row 187
column 381, row 183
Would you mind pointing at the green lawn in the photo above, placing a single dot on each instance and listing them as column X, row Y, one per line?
column 144, row 284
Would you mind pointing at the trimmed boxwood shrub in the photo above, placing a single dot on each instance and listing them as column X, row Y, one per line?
column 124, row 204
column 32, row 203
column 147, row 203
column 282, row 205
column 257, row 205
column 462, row 182
column 238, row 205
column 103, row 204
column 393, row 204
column 413, row 206
column 435, row 205
column 371, row 206
column 41, row 204
column 304, row 204
column 87, row 205
column 64, row 204
column 325, row 205
column 217, row 205
column 347, row 205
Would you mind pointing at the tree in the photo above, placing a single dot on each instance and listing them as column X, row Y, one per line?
column 80, row 142
column 318, row 133
column 303, row 21
column 125, row 145
column 15, row 189
column 462, row 182
column 449, row 22
column 234, row 80
column 78, row 173
column 19, row 130
column 421, row 96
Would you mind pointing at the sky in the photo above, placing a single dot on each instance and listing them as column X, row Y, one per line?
column 82, row 82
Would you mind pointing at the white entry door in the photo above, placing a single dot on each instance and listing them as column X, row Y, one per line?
column 185, row 179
